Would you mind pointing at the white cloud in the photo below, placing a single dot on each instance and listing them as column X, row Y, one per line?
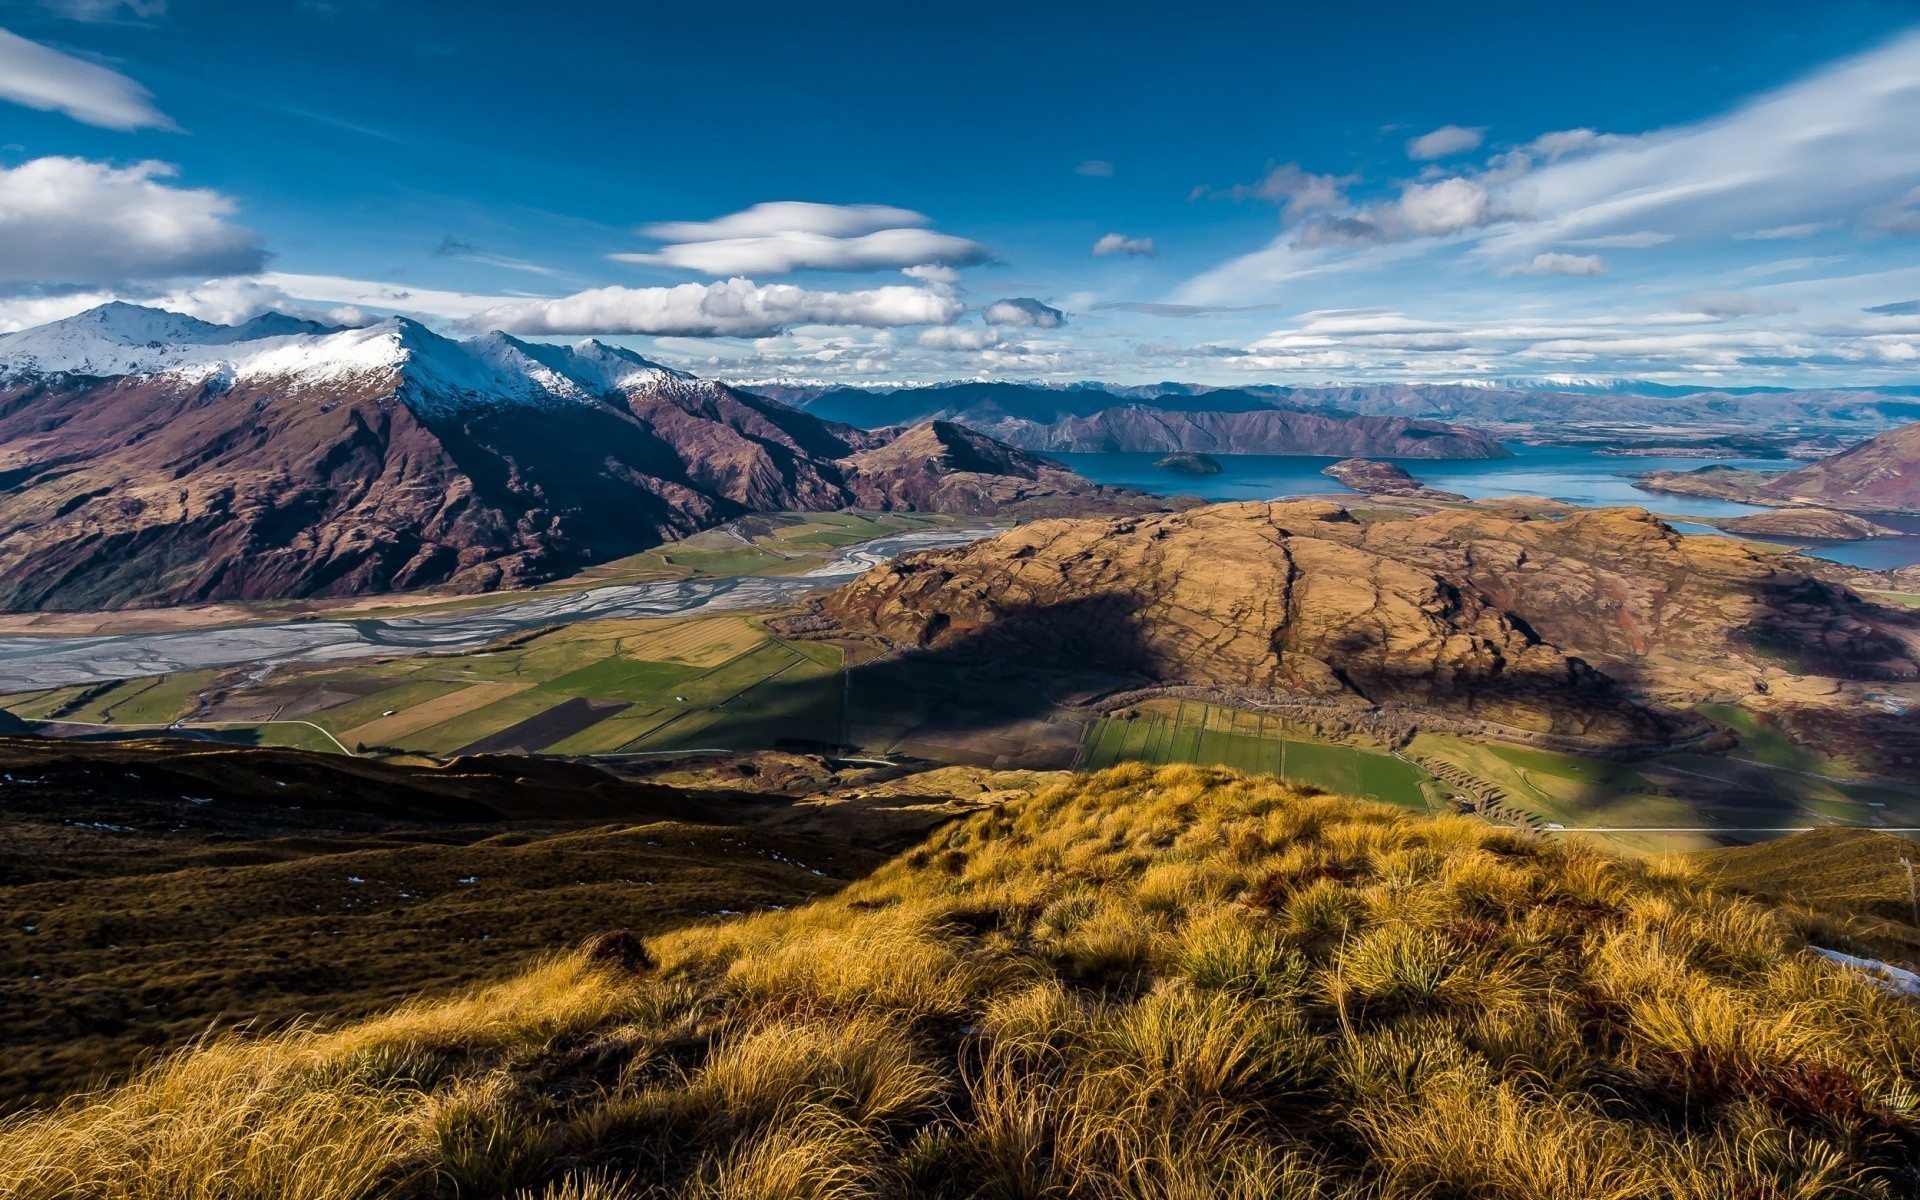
column 782, row 253
column 932, row 275
column 1024, row 312
column 1099, row 168
column 1836, row 146
column 383, row 297
column 1735, row 304
column 957, row 337
column 1779, row 232
column 41, row 77
column 789, row 216
column 70, row 221
column 1115, row 243
column 1570, row 141
column 734, row 308
column 1560, row 264
column 1624, row 241
column 1424, row 210
column 1296, row 190
column 1444, row 142
column 779, row 237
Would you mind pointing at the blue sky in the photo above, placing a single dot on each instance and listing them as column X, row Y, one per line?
column 1720, row 193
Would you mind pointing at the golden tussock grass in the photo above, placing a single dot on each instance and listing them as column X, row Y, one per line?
column 1171, row 982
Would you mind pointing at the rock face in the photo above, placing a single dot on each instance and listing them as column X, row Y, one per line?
column 1823, row 523
column 146, row 458
column 1604, row 624
column 1186, row 463
column 1881, row 474
column 1096, row 420
column 938, row 466
column 1384, row 479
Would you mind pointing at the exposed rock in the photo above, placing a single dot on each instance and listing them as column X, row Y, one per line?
column 938, row 466
column 1823, row 523
column 1604, row 624
column 1881, row 474
column 1384, row 479
column 1188, row 463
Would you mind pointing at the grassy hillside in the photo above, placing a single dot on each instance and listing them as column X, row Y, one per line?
column 1176, row 982
column 154, row 892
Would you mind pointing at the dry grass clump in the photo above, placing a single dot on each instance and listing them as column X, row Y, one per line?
column 1162, row 983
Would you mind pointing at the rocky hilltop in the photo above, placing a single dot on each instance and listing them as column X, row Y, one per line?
column 148, row 458
column 1605, row 625
column 1881, row 474
column 1804, row 522
column 938, row 466
column 1383, row 479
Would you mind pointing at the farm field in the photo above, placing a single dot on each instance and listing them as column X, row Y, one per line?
column 1186, row 731
column 1674, row 802
column 601, row 687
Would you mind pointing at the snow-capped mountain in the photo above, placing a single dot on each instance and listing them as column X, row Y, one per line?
column 148, row 457
column 119, row 340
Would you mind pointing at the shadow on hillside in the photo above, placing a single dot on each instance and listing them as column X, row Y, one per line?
column 991, row 686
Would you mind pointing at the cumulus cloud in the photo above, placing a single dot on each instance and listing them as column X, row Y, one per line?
column 41, row 77
column 1570, row 141
column 1422, row 210
column 932, row 275
column 780, row 237
column 1735, row 304
column 1560, row 264
column 1444, row 142
column 1293, row 188
column 1099, row 168
column 1115, row 243
column 957, row 337
column 71, row 221
column 734, row 308
column 1025, row 312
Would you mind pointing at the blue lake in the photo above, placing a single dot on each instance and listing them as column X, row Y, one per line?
column 1569, row 474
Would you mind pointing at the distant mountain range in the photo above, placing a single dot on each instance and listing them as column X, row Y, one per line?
column 1044, row 416
column 148, row 458
column 1098, row 420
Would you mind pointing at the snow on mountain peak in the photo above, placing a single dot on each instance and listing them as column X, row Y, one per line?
column 427, row 370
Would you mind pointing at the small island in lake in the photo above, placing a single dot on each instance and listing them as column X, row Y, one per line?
column 1187, row 462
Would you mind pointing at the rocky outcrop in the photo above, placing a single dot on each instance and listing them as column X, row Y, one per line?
column 1881, row 474
column 1606, row 624
column 938, row 466
column 1383, row 479
column 1188, row 463
column 1822, row 523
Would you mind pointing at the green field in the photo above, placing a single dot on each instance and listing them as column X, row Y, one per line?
column 1209, row 735
column 1763, row 744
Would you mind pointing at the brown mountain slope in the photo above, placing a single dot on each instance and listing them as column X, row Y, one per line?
column 1459, row 613
column 942, row 467
column 1881, row 474
column 153, row 490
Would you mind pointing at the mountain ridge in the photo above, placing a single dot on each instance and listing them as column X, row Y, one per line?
column 247, row 463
